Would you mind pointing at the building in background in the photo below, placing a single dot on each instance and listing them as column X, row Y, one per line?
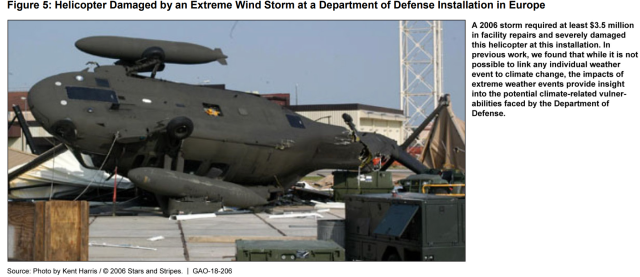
column 282, row 99
column 41, row 138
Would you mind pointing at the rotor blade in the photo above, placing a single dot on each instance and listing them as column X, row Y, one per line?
column 444, row 102
column 387, row 164
column 410, row 162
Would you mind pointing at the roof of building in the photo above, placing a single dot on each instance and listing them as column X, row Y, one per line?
column 342, row 107
column 17, row 157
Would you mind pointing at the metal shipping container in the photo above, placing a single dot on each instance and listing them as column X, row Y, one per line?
column 407, row 227
column 348, row 182
column 291, row 250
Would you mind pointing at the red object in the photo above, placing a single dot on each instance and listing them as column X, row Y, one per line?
column 115, row 185
column 376, row 161
column 282, row 99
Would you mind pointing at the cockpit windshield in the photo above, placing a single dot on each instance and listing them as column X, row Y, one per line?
column 93, row 94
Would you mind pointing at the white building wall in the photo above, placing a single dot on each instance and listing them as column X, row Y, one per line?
column 330, row 117
column 20, row 143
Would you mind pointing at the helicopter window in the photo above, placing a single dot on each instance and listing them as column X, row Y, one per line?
column 92, row 94
column 211, row 109
column 180, row 105
column 138, row 161
column 295, row 121
column 102, row 82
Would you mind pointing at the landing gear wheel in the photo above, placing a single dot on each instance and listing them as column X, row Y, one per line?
column 163, row 203
column 180, row 128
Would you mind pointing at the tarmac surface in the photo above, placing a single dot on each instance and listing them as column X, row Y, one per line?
column 206, row 239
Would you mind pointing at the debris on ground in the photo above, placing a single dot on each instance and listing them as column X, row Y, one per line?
column 104, row 244
column 296, row 215
column 191, row 216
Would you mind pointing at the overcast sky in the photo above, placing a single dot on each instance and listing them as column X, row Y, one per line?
column 331, row 61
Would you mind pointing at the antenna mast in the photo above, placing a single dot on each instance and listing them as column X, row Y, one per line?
column 420, row 71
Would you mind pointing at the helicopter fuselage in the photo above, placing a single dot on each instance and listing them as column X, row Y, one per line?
column 111, row 119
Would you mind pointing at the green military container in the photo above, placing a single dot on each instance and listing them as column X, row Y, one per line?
column 432, row 184
column 288, row 250
column 405, row 227
column 422, row 183
column 349, row 182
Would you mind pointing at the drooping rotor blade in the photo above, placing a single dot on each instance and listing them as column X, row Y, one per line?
column 379, row 144
column 408, row 161
column 444, row 102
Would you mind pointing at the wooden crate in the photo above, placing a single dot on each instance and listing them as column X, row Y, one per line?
column 49, row 231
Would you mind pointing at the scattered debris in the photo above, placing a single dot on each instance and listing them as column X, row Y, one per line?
column 104, row 244
column 304, row 193
column 156, row 238
column 191, row 216
column 328, row 205
column 290, row 209
column 232, row 239
column 303, row 226
column 295, row 215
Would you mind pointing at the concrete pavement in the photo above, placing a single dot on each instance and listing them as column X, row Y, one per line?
column 207, row 239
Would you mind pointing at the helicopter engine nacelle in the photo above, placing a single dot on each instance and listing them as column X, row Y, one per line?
column 177, row 184
column 134, row 49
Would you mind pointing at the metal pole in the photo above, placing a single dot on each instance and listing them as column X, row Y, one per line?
column 115, row 189
column 23, row 136
column 402, row 55
column 25, row 130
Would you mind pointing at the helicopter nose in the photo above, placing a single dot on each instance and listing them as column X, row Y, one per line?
column 45, row 99
column 39, row 102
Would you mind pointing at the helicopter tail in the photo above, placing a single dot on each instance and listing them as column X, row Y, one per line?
column 223, row 59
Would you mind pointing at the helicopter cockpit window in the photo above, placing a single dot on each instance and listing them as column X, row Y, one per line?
column 93, row 94
column 211, row 109
column 295, row 121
